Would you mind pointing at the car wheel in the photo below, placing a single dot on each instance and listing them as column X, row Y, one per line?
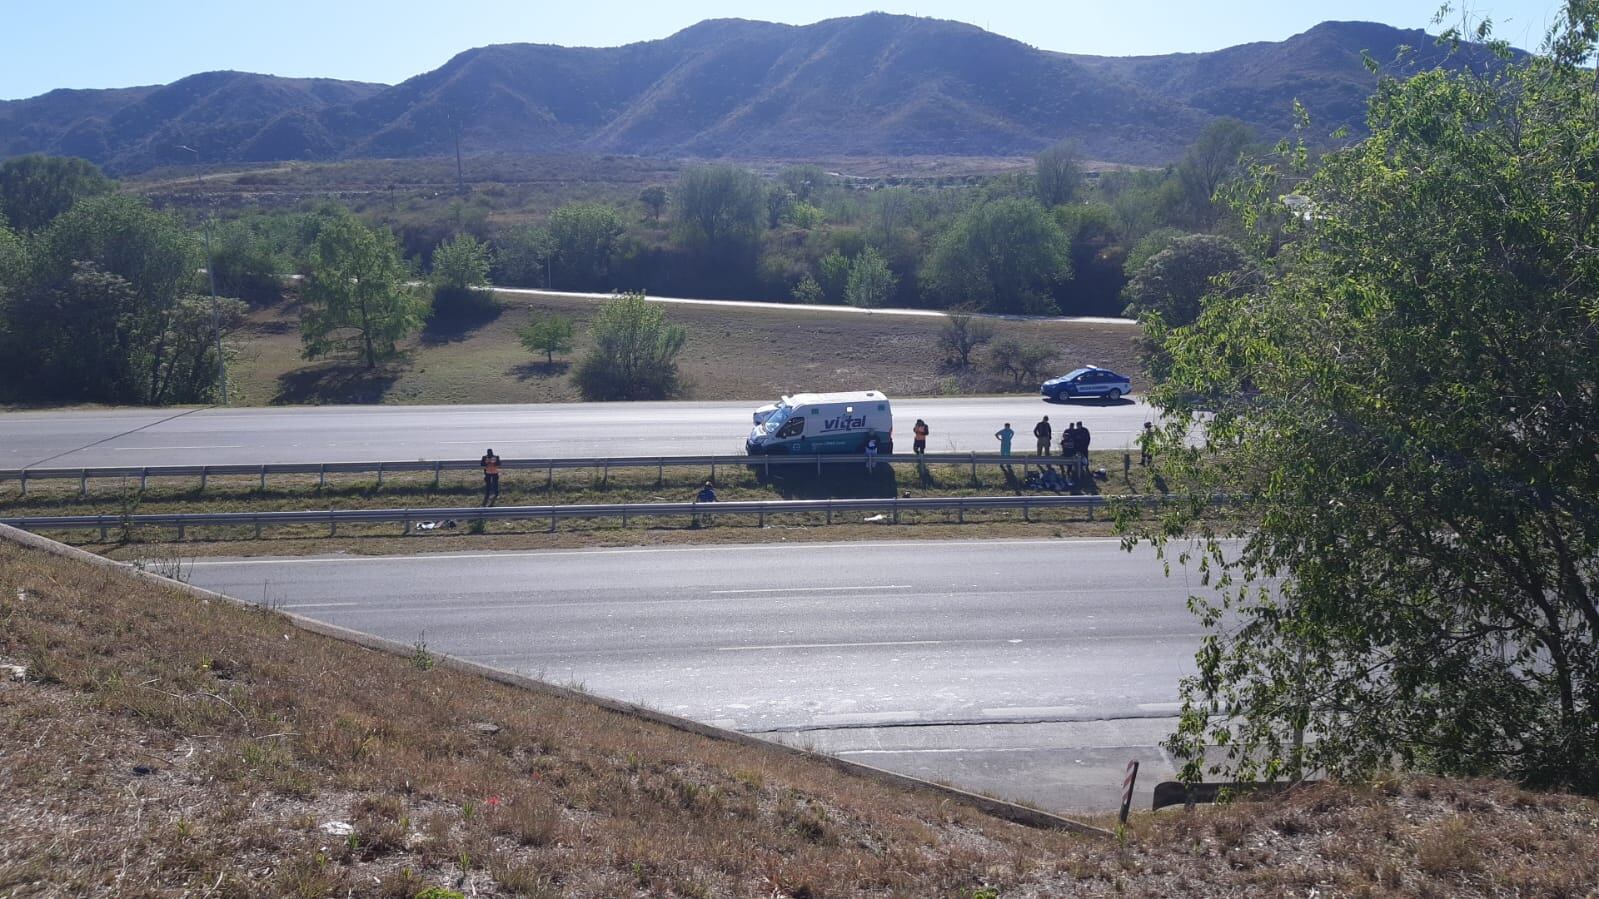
column 1114, row 395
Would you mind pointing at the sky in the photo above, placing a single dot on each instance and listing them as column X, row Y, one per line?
column 122, row 43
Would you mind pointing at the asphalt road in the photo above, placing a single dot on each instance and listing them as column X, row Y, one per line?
column 1031, row 669
column 559, row 430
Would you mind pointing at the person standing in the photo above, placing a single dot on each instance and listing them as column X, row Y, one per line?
column 490, row 464
column 1068, row 450
column 919, row 445
column 707, row 494
column 1045, row 434
column 871, row 452
column 1004, row 435
column 1082, row 440
column 1146, row 444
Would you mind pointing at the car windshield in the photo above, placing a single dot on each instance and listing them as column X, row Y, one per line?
column 777, row 418
column 1078, row 373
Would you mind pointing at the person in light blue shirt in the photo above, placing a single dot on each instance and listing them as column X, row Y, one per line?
column 1004, row 436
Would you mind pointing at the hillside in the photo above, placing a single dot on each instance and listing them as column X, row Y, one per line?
column 871, row 85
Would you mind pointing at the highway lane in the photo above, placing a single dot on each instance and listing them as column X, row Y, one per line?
column 1028, row 668
column 556, row 430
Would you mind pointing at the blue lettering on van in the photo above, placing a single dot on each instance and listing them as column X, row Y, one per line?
column 844, row 423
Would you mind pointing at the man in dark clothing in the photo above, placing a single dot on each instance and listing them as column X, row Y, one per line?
column 1146, row 444
column 1044, row 433
column 490, row 464
column 919, row 445
column 707, row 494
column 1082, row 438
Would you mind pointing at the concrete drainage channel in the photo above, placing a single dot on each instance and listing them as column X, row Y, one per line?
column 1009, row 811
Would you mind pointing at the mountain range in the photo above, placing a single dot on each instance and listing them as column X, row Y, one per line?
column 877, row 84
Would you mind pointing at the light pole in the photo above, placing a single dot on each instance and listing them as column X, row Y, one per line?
column 211, row 273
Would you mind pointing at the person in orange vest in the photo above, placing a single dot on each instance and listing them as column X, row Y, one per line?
column 491, row 475
column 919, row 445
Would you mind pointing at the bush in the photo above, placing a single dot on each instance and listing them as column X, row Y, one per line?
column 634, row 356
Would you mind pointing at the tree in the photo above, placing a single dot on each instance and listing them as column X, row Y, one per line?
column 1059, row 173
column 634, row 353
column 961, row 335
column 654, row 199
column 809, row 292
column 36, row 189
column 583, row 236
column 719, row 209
column 246, row 261
column 870, row 282
column 1408, row 406
column 833, row 276
column 357, row 298
column 547, row 333
column 1023, row 361
column 460, row 265
column 1002, row 256
column 105, row 311
column 1212, row 160
column 522, row 256
column 1172, row 283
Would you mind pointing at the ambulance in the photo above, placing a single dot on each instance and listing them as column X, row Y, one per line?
column 808, row 423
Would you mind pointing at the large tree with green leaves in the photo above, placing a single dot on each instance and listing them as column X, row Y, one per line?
column 871, row 283
column 36, row 189
column 1001, row 256
column 357, row 299
column 719, row 209
column 107, row 310
column 1408, row 414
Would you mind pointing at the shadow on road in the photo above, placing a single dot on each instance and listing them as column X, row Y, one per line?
column 1088, row 401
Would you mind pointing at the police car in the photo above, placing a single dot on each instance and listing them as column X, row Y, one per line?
column 1090, row 381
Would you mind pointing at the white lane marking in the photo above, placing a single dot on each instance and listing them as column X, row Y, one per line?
column 812, row 589
column 1160, row 706
column 868, row 717
column 972, row 750
column 833, row 645
column 646, row 550
column 317, row 605
column 154, row 449
column 1031, row 711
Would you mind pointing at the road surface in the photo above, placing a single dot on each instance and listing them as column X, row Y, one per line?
column 247, row 436
column 1033, row 669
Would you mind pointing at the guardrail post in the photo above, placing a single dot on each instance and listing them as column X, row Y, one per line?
column 437, row 467
column 605, row 474
column 1024, row 510
column 83, row 483
column 144, row 475
column 761, row 517
column 960, row 512
column 263, row 479
column 660, row 472
column 829, row 505
column 549, row 481
column 896, row 510
column 102, row 531
column 322, row 476
column 204, row 470
column 180, row 531
column 974, row 468
column 713, row 471
column 819, row 469
column 258, row 527
column 24, row 482
column 405, row 530
column 380, row 475
column 624, row 517
column 552, row 521
column 333, row 526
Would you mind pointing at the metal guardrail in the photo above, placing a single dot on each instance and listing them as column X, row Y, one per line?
column 891, row 508
column 549, row 466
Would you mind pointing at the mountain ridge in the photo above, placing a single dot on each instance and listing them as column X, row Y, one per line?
column 870, row 85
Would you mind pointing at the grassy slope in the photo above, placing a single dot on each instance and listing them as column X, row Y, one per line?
column 164, row 745
column 733, row 354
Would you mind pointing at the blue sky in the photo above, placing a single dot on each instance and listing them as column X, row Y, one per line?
column 119, row 43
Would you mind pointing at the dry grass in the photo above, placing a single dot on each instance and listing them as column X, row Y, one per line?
column 162, row 745
column 731, row 354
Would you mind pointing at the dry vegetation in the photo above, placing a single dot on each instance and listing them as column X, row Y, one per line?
column 731, row 354
column 163, row 745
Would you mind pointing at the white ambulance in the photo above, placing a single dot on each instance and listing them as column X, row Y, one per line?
column 807, row 423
